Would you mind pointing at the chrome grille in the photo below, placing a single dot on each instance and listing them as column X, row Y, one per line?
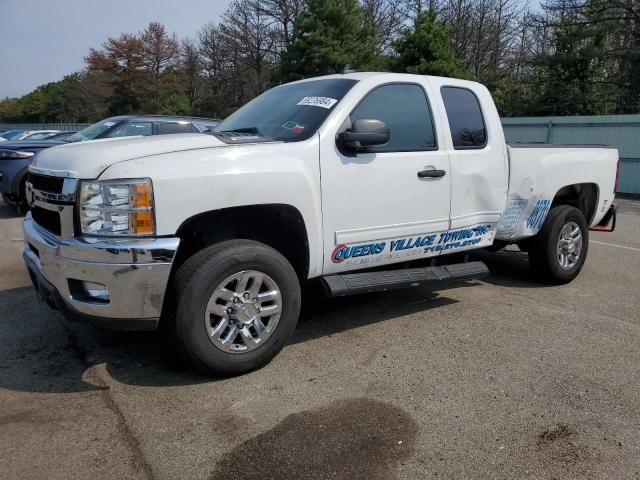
column 47, row 219
column 45, row 183
column 52, row 200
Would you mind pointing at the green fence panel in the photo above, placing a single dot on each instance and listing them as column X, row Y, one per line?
column 43, row 126
column 619, row 131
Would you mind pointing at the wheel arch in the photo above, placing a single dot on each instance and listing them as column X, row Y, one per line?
column 583, row 196
column 281, row 226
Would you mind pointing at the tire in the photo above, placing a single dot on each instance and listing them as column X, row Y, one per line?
column 8, row 199
column 199, row 320
column 22, row 206
column 555, row 262
column 523, row 245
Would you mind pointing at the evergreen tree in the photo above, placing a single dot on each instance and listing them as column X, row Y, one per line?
column 331, row 34
column 426, row 48
column 567, row 79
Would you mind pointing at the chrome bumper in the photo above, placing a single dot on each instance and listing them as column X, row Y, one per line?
column 134, row 272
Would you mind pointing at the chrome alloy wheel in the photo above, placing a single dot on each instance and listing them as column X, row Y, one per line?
column 243, row 311
column 569, row 246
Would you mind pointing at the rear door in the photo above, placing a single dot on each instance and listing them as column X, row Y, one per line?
column 477, row 151
column 377, row 208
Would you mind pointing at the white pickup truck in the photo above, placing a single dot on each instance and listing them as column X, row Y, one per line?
column 344, row 177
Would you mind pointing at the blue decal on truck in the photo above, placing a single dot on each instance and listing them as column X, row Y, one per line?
column 511, row 217
column 412, row 246
column 536, row 219
column 459, row 238
column 342, row 252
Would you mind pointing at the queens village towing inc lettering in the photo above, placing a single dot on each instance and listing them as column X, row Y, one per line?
column 446, row 241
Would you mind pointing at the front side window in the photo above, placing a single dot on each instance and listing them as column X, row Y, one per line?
column 39, row 135
column 288, row 113
column 465, row 118
column 132, row 129
column 405, row 110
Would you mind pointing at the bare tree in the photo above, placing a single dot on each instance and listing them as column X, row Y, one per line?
column 281, row 16
column 160, row 55
column 216, row 64
column 250, row 39
column 191, row 69
column 387, row 17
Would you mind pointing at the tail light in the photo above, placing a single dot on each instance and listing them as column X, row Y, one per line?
column 615, row 185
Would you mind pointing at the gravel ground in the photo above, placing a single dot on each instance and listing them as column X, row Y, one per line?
column 501, row 379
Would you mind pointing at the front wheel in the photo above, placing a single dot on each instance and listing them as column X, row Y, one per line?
column 235, row 305
column 558, row 252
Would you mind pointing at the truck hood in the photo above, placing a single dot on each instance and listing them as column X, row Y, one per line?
column 89, row 159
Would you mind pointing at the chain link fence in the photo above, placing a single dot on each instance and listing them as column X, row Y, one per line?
column 43, row 126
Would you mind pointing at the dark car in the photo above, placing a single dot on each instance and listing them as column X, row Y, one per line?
column 15, row 156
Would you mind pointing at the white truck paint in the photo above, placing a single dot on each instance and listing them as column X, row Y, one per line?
column 358, row 209
column 374, row 197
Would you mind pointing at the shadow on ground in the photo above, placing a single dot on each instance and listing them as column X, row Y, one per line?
column 8, row 211
column 42, row 352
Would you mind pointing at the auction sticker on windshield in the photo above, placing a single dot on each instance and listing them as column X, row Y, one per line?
column 322, row 102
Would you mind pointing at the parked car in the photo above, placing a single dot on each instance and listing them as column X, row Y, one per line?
column 61, row 136
column 15, row 156
column 339, row 177
column 36, row 134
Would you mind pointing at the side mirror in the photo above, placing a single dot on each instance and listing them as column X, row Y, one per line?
column 364, row 133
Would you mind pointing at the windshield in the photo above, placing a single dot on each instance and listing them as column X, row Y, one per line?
column 12, row 134
column 93, row 131
column 288, row 113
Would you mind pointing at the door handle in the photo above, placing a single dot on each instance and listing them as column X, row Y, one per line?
column 431, row 173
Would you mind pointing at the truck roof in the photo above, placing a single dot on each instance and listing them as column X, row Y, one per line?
column 366, row 75
column 171, row 118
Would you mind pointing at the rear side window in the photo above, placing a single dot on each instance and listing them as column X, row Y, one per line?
column 405, row 110
column 465, row 118
column 131, row 129
column 164, row 128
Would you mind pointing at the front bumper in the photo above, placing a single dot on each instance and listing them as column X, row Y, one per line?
column 134, row 272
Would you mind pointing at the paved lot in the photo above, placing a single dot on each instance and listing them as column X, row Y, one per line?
column 500, row 379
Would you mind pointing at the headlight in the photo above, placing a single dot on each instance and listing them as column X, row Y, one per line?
column 12, row 154
column 117, row 207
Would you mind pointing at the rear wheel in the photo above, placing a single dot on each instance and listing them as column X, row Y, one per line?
column 235, row 306
column 558, row 252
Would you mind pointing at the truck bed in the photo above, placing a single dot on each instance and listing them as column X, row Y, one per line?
column 537, row 173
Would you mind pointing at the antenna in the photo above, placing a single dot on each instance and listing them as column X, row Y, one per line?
column 348, row 68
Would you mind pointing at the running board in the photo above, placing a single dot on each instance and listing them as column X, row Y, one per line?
column 354, row 283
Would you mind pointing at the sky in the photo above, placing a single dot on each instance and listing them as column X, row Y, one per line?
column 43, row 40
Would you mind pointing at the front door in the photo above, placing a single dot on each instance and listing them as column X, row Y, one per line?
column 387, row 204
